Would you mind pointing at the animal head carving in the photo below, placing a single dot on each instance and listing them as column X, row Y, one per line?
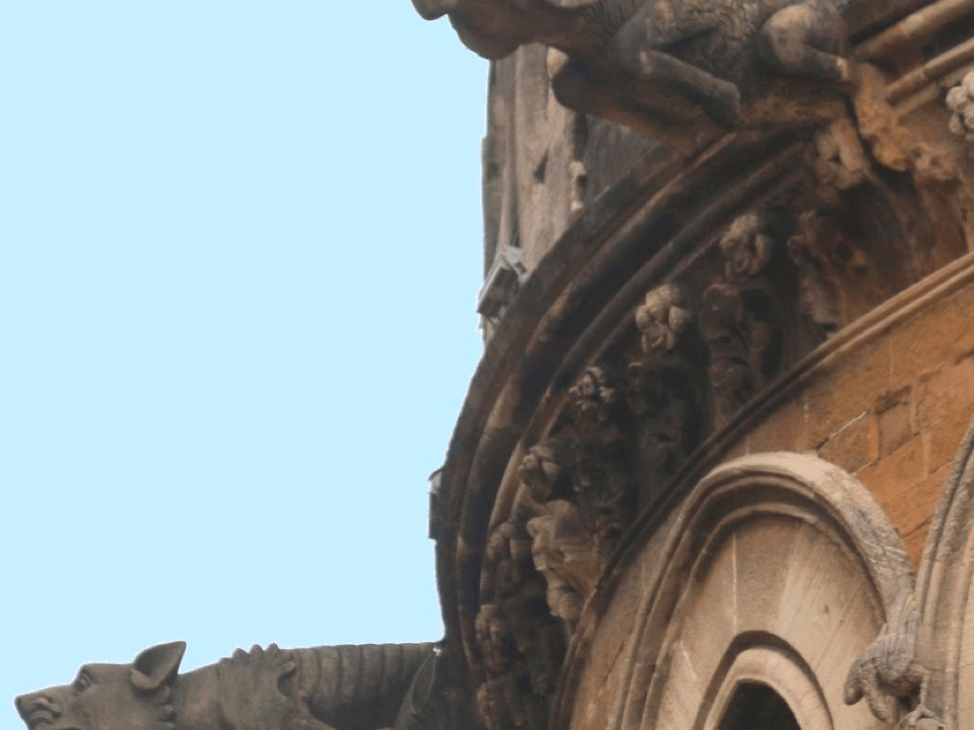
column 132, row 696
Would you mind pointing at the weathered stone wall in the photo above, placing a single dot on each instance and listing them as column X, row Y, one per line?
column 728, row 365
column 892, row 401
column 543, row 163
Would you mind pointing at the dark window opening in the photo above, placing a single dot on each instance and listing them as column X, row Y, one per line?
column 758, row 707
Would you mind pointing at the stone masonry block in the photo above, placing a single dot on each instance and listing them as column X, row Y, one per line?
column 898, row 472
column 944, row 438
column 847, row 390
column 945, row 392
column 938, row 335
column 851, row 446
column 914, row 543
column 785, row 429
column 893, row 423
column 914, row 507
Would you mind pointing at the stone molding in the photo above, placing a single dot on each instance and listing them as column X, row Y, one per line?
column 828, row 508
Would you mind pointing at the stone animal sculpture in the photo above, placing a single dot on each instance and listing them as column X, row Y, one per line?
column 890, row 669
column 656, row 64
column 322, row 688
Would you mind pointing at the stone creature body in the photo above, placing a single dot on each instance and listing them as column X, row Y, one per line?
column 321, row 688
column 660, row 58
column 890, row 669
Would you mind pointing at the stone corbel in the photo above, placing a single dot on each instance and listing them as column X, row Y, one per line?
column 891, row 671
column 681, row 73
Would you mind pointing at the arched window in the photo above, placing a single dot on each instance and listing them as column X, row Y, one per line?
column 757, row 707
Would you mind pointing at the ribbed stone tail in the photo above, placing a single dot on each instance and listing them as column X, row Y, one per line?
column 359, row 687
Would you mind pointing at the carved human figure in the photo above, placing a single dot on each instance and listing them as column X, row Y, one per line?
column 747, row 245
column 543, row 470
column 323, row 688
column 509, row 552
column 495, row 639
column 744, row 343
column 594, row 401
column 565, row 554
column 812, row 243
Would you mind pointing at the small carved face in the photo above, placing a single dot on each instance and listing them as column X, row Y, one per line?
column 109, row 696
column 747, row 248
column 540, row 471
column 592, row 396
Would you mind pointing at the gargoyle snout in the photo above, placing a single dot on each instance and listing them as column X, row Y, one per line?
column 433, row 9
column 38, row 709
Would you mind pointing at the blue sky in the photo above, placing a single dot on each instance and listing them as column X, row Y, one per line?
column 240, row 244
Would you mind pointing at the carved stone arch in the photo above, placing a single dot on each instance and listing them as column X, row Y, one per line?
column 779, row 569
column 946, row 645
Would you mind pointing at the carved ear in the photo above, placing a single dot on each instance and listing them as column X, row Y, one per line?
column 157, row 665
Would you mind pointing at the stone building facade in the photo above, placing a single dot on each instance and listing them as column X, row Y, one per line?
column 712, row 471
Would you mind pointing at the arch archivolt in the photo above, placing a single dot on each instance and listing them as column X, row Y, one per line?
column 780, row 569
column 779, row 668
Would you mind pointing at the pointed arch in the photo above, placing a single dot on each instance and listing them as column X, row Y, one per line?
column 778, row 570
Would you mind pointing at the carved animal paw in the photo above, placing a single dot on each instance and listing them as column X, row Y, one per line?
column 921, row 718
column 256, row 678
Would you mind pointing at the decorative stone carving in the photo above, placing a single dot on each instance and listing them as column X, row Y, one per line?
column 960, row 102
column 747, row 247
column 594, row 401
column 837, row 159
column 817, row 298
column 740, row 318
column 744, row 344
column 257, row 690
column 890, row 670
column 670, row 414
column 493, row 706
column 565, row 554
column 658, row 65
column 600, row 466
column 542, row 643
column 663, row 319
column 495, row 639
column 519, row 672
column 543, row 470
column 509, row 553
column 603, row 480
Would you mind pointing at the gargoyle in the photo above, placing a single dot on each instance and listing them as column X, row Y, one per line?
column 322, row 688
column 655, row 65
column 890, row 670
